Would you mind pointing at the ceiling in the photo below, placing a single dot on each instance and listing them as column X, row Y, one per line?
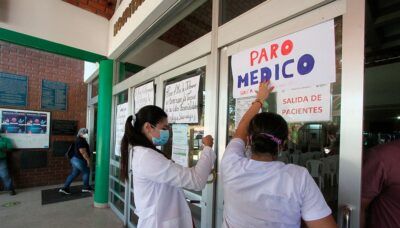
column 104, row 8
column 382, row 32
column 382, row 25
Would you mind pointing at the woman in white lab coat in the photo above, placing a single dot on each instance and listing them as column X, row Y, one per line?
column 260, row 191
column 157, row 181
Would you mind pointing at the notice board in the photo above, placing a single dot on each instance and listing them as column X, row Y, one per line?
column 26, row 129
column 54, row 95
column 13, row 90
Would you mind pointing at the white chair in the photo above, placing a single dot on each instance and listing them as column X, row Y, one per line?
column 330, row 169
column 317, row 155
column 315, row 168
column 304, row 157
column 283, row 159
column 326, row 171
column 294, row 158
column 285, row 153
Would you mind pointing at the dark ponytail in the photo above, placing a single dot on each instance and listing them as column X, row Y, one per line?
column 267, row 131
column 133, row 135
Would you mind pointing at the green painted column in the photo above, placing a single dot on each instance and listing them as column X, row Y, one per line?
column 103, row 133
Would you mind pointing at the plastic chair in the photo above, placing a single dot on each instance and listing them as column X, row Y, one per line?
column 283, row 159
column 304, row 157
column 315, row 168
column 294, row 158
column 330, row 169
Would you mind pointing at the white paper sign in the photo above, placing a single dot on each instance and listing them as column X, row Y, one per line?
column 305, row 105
column 300, row 59
column 180, row 145
column 241, row 107
column 143, row 96
column 122, row 115
column 181, row 101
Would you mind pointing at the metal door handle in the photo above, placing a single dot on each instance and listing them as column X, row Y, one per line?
column 193, row 201
column 346, row 214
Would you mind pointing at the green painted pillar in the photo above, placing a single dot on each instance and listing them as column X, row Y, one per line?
column 103, row 133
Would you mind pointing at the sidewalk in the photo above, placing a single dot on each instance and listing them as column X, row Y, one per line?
column 30, row 213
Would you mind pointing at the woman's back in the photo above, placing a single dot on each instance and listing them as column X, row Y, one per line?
column 267, row 194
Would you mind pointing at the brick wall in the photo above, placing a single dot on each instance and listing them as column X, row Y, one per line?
column 38, row 65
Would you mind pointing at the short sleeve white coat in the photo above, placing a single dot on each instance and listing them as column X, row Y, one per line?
column 267, row 194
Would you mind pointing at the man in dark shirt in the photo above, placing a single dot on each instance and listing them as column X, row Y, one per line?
column 381, row 186
column 5, row 145
column 80, row 162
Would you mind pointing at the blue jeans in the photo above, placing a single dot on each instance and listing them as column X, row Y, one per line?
column 5, row 177
column 78, row 166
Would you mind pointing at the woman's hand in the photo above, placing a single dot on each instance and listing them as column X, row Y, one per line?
column 208, row 141
column 264, row 89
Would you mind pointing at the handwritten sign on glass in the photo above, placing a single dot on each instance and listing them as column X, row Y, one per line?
column 181, row 101
column 122, row 115
column 143, row 96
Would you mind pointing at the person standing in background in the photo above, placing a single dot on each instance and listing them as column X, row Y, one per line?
column 5, row 145
column 381, row 186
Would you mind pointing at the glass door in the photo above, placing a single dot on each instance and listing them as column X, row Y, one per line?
column 189, row 128
column 313, row 143
column 117, row 188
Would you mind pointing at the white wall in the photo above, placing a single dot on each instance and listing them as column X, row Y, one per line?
column 56, row 21
column 90, row 71
column 142, row 19
column 382, row 85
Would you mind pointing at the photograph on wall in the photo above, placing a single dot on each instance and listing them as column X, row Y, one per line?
column 36, row 123
column 12, row 122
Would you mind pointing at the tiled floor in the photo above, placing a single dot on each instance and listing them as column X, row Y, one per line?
column 75, row 213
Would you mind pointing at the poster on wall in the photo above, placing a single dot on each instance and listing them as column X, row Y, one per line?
column 54, row 95
column 143, row 96
column 181, row 101
column 180, row 144
column 301, row 59
column 13, row 90
column 122, row 115
column 26, row 129
column 305, row 105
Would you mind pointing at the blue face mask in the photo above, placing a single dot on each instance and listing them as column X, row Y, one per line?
column 164, row 136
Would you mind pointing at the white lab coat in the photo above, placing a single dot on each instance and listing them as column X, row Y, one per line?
column 267, row 194
column 157, row 185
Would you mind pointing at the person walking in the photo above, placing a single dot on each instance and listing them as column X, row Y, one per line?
column 80, row 163
column 5, row 145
